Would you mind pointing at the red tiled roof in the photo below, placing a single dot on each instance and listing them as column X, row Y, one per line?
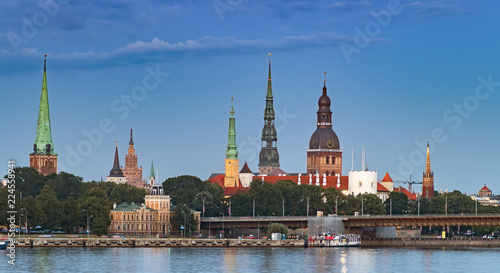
column 234, row 190
column 331, row 181
column 277, row 172
column 387, row 178
column 484, row 188
column 411, row 196
column 218, row 179
column 381, row 188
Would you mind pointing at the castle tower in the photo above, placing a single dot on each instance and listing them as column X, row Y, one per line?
column 269, row 157
column 43, row 158
column 387, row 182
column 116, row 174
column 131, row 171
column 246, row 175
column 428, row 181
column 232, row 162
column 324, row 155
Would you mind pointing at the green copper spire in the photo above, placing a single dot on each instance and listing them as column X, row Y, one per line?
column 43, row 142
column 269, row 157
column 231, row 152
column 152, row 173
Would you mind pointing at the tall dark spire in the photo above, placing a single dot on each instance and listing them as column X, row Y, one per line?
column 269, row 157
column 131, row 138
column 116, row 171
column 43, row 142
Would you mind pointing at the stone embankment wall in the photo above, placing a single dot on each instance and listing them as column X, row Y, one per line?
column 116, row 242
column 432, row 242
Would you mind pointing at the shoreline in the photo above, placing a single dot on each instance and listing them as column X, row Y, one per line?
column 177, row 242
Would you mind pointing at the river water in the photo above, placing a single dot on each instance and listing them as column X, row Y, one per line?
column 280, row 259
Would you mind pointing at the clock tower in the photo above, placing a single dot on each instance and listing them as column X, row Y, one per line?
column 324, row 155
column 43, row 158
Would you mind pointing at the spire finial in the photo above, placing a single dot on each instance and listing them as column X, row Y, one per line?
column 324, row 79
column 116, row 141
column 232, row 109
column 270, row 54
column 131, row 138
column 45, row 63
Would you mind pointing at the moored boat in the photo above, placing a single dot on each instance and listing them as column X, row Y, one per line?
column 328, row 240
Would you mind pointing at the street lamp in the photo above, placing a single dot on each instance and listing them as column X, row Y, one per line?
column 88, row 224
column 254, row 207
column 307, row 206
column 222, row 231
column 26, row 222
column 184, row 229
column 283, row 207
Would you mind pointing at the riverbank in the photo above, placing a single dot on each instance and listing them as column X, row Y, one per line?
column 177, row 242
column 431, row 242
column 142, row 242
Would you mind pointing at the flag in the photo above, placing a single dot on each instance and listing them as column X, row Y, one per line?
column 229, row 209
column 203, row 208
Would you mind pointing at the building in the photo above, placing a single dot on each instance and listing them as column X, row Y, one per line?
column 132, row 173
column 484, row 191
column 428, row 181
column 232, row 162
column 116, row 173
column 153, row 217
column 324, row 155
column 362, row 182
column 43, row 158
column 269, row 157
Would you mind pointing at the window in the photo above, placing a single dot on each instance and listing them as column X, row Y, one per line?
column 360, row 184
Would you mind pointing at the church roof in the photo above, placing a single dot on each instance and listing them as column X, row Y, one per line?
column 116, row 171
column 484, row 188
column 411, row 196
column 245, row 169
column 278, row 172
column 387, row 178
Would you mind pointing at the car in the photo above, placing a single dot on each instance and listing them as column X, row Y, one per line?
column 163, row 236
column 249, row 237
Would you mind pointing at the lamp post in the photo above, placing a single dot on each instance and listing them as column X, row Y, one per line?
column 222, row 231
column 418, row 206
column 307, row 206
column 184, row 232
column 254, row 207
column 476, row 205
column 283, row 207
column 88, row 224
column 362, row 205
column 26, row 222
column 390, row 205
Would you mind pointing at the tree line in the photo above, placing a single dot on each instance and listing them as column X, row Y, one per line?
column 59, row 200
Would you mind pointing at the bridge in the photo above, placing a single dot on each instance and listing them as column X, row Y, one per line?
column 355, row 222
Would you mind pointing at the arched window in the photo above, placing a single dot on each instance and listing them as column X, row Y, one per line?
column 360, row 184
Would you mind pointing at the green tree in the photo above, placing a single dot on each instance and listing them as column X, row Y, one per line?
column 29, row 181
column 72, row 215
column 66, row 185
column 51, row 207
column 399, row 203
column 277, row 228
column 184, row 217
column 95, row 201
column 373, row 205
column 127, row 193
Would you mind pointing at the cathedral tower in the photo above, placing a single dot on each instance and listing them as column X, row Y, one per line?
column 324, row 155
column 232, row 162
column 269, row 158
column 131, row 171
column 43, row 158
column 428, row 181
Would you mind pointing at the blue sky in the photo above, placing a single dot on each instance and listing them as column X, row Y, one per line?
column 399, row 73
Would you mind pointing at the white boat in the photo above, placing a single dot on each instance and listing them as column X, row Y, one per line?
column 327, row 240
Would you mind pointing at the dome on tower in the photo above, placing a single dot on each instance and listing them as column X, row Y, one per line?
column 324, row 102
column 324, row 138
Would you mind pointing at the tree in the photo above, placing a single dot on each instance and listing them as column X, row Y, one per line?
column 72, row 215
column 399, row 203
column 66, row 185
column 277, row 228
column 51, row 207
column 184, row 217
column 29, row 181
column 96, row 202
column 127, row 193
column 185, row 189
column 372, row 204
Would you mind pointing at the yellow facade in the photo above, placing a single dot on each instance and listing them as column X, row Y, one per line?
column 232, row 172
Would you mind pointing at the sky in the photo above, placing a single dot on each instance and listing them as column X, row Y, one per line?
column 400, row 74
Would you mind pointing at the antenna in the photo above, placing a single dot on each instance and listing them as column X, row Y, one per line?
column 362, row 158
column 352, row 160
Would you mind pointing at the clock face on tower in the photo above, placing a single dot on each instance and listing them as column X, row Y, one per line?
column 314, row 144
column 330, row 144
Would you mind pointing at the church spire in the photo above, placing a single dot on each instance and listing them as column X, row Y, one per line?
column 152, row 172
column 131, row 138
column 269, row 157
column 116, row 171
column 43, row 142
column 428, row 180
column 231, row 152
